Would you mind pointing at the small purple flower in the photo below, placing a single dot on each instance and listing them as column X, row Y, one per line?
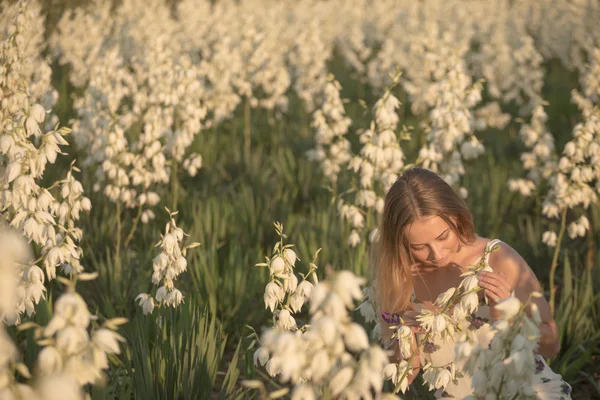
column 539, row 366
column 391, row 318
column 476, row 322
column 429, row 347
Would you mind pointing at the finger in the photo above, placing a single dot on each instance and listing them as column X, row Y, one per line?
column 496, row 280
column 493, row 296
column 500, row 292
column 496, row 294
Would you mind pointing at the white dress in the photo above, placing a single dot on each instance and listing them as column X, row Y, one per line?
column 549, row 384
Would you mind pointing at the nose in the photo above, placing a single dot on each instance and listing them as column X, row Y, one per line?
column 435, row 254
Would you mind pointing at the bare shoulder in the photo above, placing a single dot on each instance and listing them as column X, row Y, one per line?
column 508, row 261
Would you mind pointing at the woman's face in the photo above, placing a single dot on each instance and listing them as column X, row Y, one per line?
column 432, row 241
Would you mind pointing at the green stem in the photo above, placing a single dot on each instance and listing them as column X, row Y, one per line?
column 118, row 244
column 247, row 121
column 134, row 227
column 174, row 186
column 563, row 221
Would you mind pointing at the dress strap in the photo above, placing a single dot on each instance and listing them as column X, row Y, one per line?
column 488, row 248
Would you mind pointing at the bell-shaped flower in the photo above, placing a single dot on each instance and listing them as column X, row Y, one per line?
column 261, row 355
column 443, row 298
column 356, row 338
column 290, row 256
column 277, row 265
column 509, row 307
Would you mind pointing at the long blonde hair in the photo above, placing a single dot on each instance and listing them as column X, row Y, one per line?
column 417, row 193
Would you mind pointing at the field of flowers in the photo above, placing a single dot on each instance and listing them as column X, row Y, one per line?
column 189, row 189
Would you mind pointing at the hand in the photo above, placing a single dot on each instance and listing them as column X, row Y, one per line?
column 410, row 317
column 495, row 285
column 496, row 288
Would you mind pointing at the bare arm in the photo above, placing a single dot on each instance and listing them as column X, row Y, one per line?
column 509, row 266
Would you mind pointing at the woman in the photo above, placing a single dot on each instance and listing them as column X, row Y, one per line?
column 427, row 239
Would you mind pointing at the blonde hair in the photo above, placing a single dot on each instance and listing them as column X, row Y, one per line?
column 417, row 193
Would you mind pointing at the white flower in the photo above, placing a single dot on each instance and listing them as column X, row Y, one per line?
column 49, row 360
column 305, row 289
column 261, row 355
column 146, row 302
column 296, row 302
column 463, row 348
column 469, row 283
column 169, row 242
column 285, row 320
column 367, row 311
column 509, row 307
column 549, row 238
column 439, row 324
column 353, row 239
column 160, row 262
column 38, row 112
column 356, row 338
column 174, row 298
column 347, row 286
column 443, row 298
column 516, row 361
column 469, row 302
column 459, row 312
column 290, row 256
column 443, row 378
column 290, row 283
column 107, row 341
column 405, row 336
column 340, row 381
column 479, row 382
column 58, row 387
column 161, row 294
column 304, row 392
column 180, row 264
column 273, row 294
column 277, row 265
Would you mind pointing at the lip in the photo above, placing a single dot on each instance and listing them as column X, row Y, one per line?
column 440, row 262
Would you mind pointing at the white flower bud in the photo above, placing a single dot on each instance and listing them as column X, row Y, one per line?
column 38, row 112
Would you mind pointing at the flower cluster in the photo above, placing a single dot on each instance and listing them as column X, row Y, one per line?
column 576, row 180
column 331, row 124
column 74, row 351
column 451, row 121
column 167, row 266
column 507, row 368
column 330, row 354
column 540, row 161
column 378, row 164
column 451, row 309
column 41, row 215
column 284, row 295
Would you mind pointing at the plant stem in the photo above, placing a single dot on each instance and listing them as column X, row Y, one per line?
column 563, row 221
column 133, row 228
column 118, row 244
column 247, row 121
column 174, row 185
